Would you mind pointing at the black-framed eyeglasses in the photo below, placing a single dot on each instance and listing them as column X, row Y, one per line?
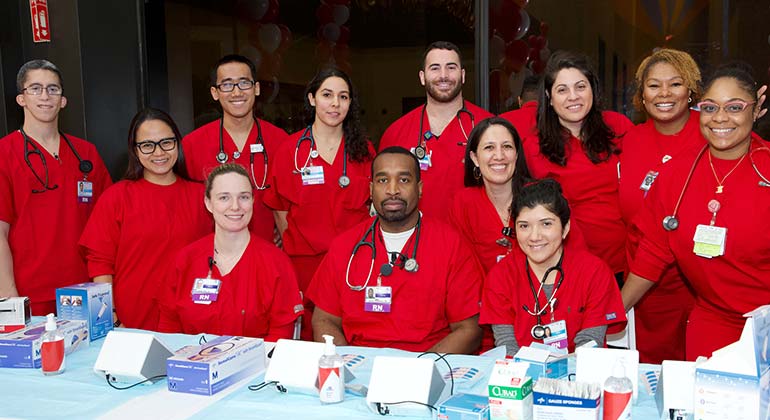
column 230, row 86
column 37, row 89
column 148, row 147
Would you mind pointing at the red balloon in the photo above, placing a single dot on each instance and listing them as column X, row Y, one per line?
column 324, row 14
column 521, row 3
column 516, row 53
column 344, row 35
column 534, row 54
column 272, row 12
column 540, row 42
column 507, row 20
column 538, row 66
column 285, row 37
column 544, row 28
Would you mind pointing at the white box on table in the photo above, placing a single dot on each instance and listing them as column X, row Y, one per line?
column 91, row 302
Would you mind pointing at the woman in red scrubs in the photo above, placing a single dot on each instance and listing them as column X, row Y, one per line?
column 547, row 284
column 705, row 214
column 668, row 83
column 155, row 206
column 320, row 177
column 232, row 282
column 578, row 144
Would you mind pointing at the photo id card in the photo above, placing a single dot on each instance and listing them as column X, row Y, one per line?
column 378, row 299
column 85, row 191
column 205, row 290
column 556, row 335
column 313, row 175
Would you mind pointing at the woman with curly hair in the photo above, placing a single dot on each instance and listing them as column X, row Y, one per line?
column 321, row 176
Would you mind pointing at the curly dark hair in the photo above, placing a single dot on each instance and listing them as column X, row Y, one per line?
column 356, row 142
column 597, row 138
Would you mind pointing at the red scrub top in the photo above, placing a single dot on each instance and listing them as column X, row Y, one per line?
column 316, row 213
column 661, row 315
column 727, row 286
column 442, row 180
column 46, row 226
column 445, row 289
column 474, row 216
column 258, row 298
column 134, row 233
column 591, row 189
column 200, row 152
column 523, row 119
column 588, row 297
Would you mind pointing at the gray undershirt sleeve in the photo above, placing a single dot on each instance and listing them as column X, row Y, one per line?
column 594, row 333
column 504, row 337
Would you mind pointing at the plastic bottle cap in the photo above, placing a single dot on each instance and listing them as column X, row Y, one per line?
column 619, row 370
column 330, row 348
column 50, row 322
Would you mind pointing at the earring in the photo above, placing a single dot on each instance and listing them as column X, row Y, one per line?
column 689, row 100
column 644, row 103
column 477, row 172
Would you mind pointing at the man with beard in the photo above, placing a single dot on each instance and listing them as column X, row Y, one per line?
column 438, row 131
column 400, row 280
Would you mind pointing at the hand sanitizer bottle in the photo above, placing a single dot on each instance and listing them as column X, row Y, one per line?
column 618, row 390
column 331, row 374
column 52, row 348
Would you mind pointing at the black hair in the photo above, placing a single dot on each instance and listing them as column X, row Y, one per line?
column 398, row 150
column 545, row 192
column 530, row 88
column 231, row 58
column 135, row 169
column 597, row 138
column 442, row 45
column 521, row 171
column 738, row 70
column 356, row 143
column 21, row 76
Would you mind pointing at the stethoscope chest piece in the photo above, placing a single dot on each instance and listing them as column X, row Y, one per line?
column 670, row 223
column 221, row 157
column 538, row 332
column 419, row 151
column 386, row 269
column 86, row 166
column 411, row 265
column 344, row 181
column 314, row 153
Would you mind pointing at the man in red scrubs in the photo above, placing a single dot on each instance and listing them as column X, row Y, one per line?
column 238, row 136
column 524, row 119
column 49, row 183
column 418, row 290
column 438, row 131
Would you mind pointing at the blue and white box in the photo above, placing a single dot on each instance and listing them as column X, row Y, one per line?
column 214, row 366
column 735, row 382
column 558, row 407
column 544, row 361
column 91, row 302
column 21, row 349
column 464, row 407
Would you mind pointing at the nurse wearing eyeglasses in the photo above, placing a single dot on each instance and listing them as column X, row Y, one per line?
column 707, row 214
column 141, row 222
column 49, row 182
column 548, row 290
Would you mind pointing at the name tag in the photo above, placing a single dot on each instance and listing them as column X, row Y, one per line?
column 313, row 175
column 648, row 180
column 709, row 241
column 426, row 161
column 85, row 191
column 378, row 299
column 256, row 148
column 556, row 335
column 205, row 291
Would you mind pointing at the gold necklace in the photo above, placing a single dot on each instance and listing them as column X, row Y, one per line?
column 720, row 183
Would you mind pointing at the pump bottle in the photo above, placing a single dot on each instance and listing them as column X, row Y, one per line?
column 618, row 390
column 331, row 374
column 52, row 348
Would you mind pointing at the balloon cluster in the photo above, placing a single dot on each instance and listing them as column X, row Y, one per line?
column 514, row 55
column 268, row 39
column 333, row 35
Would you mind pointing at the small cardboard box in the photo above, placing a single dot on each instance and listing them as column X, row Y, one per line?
column 15, row 314
column 21, row 349
column 557, row 407
column 214, row 366
column 510, row 391
column 544, row 361
column 735, row 382
column 464, row 407
column 91, row 302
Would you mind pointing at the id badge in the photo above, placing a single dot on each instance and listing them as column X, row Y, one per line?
column 556, row 335
column 425, row 162
column 85, row 191
column 378, row 299
column 256, row 148
column 205, row 291
column 313, row 175
column 709, row 241
column 648, row 180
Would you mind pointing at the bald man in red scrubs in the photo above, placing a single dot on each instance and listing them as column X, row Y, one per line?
column 420, row 290
column 438, row 131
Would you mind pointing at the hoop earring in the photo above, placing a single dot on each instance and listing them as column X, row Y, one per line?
column 689, row 100
column 477, row 172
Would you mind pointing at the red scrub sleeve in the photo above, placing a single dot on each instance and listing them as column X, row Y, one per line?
column 653, row 256
column 604, row 305
column 169, row 321
column 7, row 211
column 464, row 284
column 322, row 290
column 101, row 235
column 280, row 178
column 496, row 302
column 286, row 306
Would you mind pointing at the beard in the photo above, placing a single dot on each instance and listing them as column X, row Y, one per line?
column 393, row 216
column 440, row 96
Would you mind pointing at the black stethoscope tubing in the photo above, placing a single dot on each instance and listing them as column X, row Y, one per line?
column 538, row 331
column 84, row 165
column 422, row 136
column 307, row 135
column 222, row 156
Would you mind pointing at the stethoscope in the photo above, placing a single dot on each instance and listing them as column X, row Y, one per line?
column 423, row 136
column 538, row 331
column 84, row 165
column 257, row 147
column 671, row 223
column 307, row 135
column 386, row 269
